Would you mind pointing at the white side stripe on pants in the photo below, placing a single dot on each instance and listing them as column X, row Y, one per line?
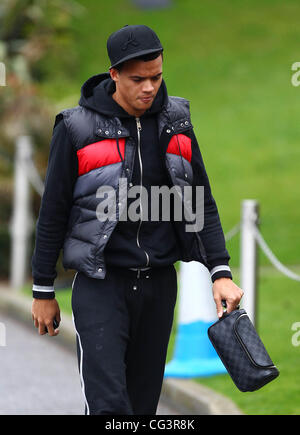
column 81, row 358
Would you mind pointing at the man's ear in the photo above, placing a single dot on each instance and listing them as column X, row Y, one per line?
column 114, row 74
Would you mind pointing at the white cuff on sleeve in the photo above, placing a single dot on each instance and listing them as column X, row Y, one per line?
column 219, row 269
column 43, row 288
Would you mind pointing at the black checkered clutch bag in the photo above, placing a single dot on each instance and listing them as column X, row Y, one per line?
column 242, row 351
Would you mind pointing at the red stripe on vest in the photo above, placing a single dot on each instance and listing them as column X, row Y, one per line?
column 99, row 154
column 185, row 146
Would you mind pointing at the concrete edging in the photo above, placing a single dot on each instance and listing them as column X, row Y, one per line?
column 187, row 396
column 191, row 398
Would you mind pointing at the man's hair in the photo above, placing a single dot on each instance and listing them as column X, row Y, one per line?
column 145, row 58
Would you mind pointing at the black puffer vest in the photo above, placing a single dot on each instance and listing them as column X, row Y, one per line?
column 87, row 236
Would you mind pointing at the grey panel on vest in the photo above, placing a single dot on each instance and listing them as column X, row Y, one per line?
column 88, row 183
column 179, row 167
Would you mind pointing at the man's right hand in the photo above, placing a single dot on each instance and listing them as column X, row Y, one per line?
column 43, row 312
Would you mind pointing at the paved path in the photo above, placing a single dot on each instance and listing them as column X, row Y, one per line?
column 39, row 376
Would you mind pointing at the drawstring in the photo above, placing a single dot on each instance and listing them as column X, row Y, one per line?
column 123, row 162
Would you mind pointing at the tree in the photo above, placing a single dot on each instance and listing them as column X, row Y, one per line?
column 31, row 31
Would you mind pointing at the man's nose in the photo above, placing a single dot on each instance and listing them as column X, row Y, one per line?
column 148, row 86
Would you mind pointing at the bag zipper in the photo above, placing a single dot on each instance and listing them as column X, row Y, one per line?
column 139, row 128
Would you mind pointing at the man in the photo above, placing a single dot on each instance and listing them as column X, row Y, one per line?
column 126, row 127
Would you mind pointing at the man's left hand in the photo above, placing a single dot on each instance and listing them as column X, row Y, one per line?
column 226, row 289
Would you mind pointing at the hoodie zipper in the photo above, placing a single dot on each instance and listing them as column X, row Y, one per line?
column 139, row 128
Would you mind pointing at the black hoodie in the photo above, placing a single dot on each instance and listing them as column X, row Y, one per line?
column 158, row 239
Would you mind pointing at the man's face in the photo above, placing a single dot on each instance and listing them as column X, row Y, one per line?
column 137, row 84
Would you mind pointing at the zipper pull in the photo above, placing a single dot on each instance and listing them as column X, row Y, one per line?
column 138, row 123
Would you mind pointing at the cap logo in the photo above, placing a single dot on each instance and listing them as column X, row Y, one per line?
column 131, row 40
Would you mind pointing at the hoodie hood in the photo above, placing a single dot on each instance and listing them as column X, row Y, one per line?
column 96, row 94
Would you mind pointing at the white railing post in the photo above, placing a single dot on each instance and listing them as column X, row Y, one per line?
column 21, row 222
column 2, row 74
column 248, row 252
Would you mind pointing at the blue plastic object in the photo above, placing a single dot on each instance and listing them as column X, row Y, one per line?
column 194, row 355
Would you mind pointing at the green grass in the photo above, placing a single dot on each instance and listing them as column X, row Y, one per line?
column 278, row 309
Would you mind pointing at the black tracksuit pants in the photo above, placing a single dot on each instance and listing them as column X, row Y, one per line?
column 123, row 325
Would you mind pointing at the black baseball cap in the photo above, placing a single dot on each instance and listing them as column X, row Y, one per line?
column 130, row 42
